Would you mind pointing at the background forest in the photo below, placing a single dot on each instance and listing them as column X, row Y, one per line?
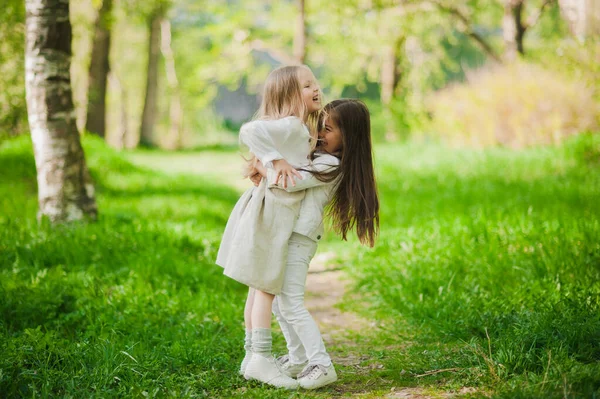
column 181, row 74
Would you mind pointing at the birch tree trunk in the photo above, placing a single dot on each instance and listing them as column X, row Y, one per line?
column 300, row 36
column 176, row 110
column 65, row 190
column 582, row 16
column 98, row 75
column 122, row 132
column 150, row 101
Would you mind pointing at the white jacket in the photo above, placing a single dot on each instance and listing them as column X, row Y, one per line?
column 318, row 194
column 286, row 138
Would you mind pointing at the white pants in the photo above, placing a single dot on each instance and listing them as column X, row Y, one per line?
column 304, row 341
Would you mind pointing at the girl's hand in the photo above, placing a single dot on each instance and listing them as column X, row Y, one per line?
column 258, row 172
column 285, row 170
column 259, row 168
column 255, row 179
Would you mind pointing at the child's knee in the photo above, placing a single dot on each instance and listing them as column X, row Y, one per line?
column 291, row 308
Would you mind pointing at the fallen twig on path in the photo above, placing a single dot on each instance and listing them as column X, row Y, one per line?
column 436, row 372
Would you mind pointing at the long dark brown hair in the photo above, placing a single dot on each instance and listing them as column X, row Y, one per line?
column 355, row 203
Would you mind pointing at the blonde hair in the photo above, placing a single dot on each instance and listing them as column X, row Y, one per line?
column 282, row 97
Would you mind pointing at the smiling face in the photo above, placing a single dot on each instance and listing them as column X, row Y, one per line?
column 311, row 94
column 330, row 137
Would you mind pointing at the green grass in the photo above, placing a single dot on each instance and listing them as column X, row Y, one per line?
column 128, row 306
column 488, row 265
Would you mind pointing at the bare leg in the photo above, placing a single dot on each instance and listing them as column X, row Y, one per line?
column 248, row 309
column 261, row 309
column 262, row 366
column 248, row 333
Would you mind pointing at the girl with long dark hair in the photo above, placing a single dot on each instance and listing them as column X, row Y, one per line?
column 340, row 183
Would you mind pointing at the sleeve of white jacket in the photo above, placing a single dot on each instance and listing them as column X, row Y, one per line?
column 260, row 137
column 323, row 163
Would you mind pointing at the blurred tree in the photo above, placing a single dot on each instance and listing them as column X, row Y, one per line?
column 583, row 17
column 300, row 36
column 514, row 28
column 99, row 69
column 122, row 126
column 13, row 109
column 175, row 108
column 466, row 14
column 149, row 113
column 65, row 190
column 391, row 70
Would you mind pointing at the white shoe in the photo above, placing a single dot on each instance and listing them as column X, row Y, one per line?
column 266, row 369
column 245, row 363
column 316, row 376
column 290, row 369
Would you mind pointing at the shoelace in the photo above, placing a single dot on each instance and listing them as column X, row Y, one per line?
column 276, row 363
column 283, row 360
column 312, row 371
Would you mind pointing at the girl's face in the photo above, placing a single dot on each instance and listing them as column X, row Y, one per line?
column 310, row 90
column 330, row 137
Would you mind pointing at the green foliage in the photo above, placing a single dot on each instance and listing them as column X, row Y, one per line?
column 233, row 44
column 489, row 265
column 514, row 106
column 13, row 109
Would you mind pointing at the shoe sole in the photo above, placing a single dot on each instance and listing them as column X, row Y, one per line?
column 310, row 388
column 249, row 377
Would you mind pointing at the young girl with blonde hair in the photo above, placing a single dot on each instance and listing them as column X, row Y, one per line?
column 254, row 247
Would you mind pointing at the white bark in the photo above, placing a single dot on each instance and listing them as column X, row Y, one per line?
column 150, row 110
column 583, row 17
column 65, row 191
column 176, row 110
column 300, row 35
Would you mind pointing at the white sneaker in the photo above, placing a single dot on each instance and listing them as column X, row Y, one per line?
column 290, row 369
column 316, row 376
column 245, row 363
column 266, row 369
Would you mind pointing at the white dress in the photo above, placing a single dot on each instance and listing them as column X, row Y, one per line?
column 253, row 250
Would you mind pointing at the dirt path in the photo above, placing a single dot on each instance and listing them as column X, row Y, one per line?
column 325, row 288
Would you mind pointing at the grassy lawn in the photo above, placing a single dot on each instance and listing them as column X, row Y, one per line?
column 486, row 276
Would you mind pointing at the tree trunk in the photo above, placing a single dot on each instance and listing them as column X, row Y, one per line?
column 300, row 36
column 390, row 71
column 582, row 16
column 65, row 190
column 467, row 28
column 175, row 111
column 391, row 74
column 150, row 101
column 513, row 29
column 122, row 133
column 99, row 68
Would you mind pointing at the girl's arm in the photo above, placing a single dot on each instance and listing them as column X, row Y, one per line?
column 282, row 171
column 323, row 163
column 261, row 136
